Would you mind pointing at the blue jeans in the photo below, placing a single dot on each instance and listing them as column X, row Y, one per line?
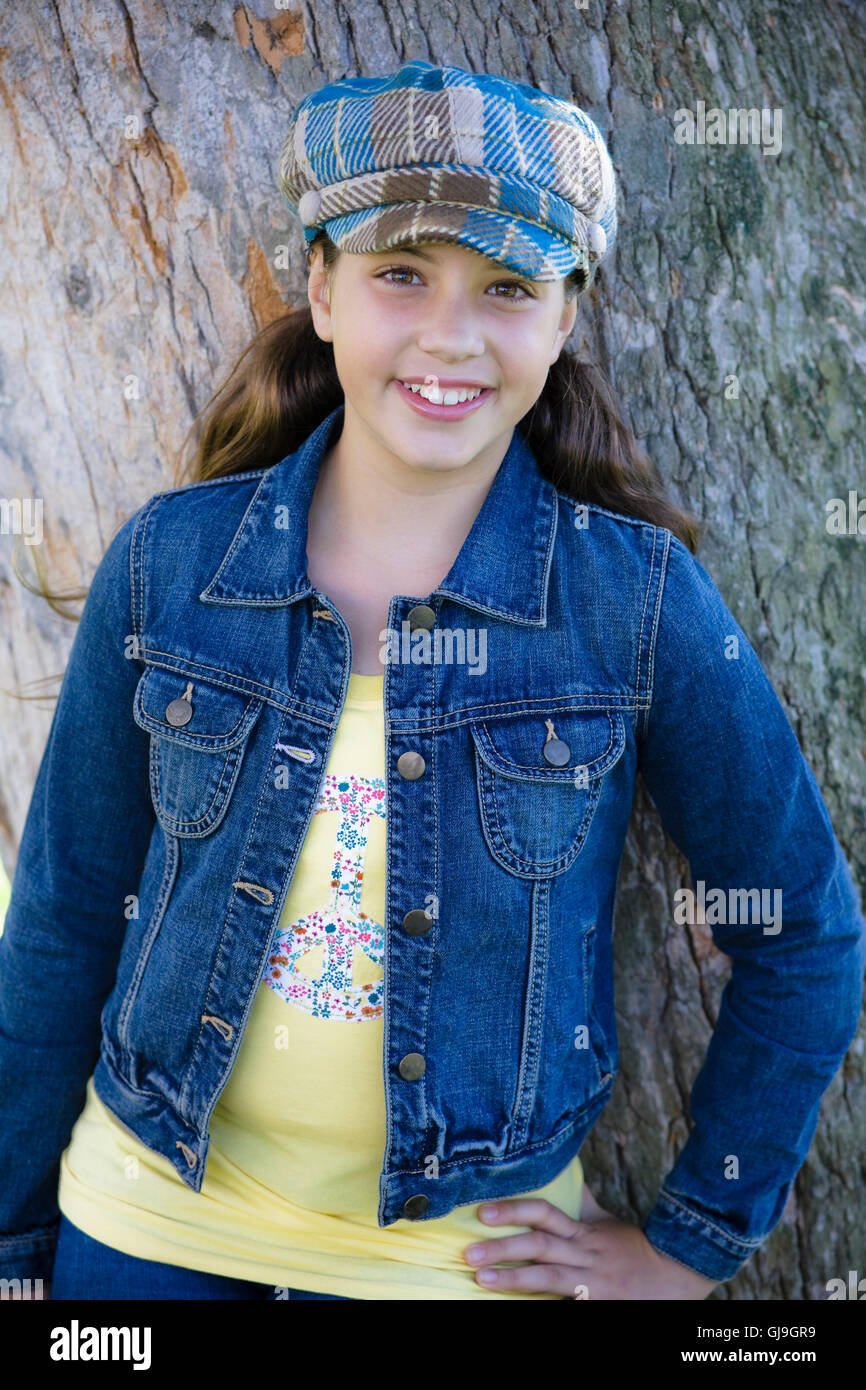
column 86, row 1268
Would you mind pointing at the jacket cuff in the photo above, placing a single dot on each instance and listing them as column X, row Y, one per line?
column 29, row 1256
column 692, row 1238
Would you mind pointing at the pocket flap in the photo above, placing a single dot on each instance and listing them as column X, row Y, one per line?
column 220, row 718
column 513, row 746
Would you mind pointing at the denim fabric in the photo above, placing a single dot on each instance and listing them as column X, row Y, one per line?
column 88, row 1269
column 156, row 856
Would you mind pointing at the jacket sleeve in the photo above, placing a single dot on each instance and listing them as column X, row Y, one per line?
column 82, row 850
column 735, row 793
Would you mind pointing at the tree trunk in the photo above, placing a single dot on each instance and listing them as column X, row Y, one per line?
column 144, row 232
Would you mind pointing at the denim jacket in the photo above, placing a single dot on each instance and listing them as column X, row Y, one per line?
column 566, row 649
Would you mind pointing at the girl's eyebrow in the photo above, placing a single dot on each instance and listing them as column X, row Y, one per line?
column 495, row 267
column 409, row 251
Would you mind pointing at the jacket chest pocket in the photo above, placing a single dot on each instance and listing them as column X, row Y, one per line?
column 536, row 806
column 198, row 734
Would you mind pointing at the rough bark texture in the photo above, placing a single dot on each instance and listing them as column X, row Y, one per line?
column 143, row 239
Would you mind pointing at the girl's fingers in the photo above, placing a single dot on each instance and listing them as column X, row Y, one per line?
column 561, row 1279
column 532, row 1245
column 531, row 1211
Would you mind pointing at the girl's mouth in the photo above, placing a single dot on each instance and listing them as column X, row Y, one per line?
column 421, row 406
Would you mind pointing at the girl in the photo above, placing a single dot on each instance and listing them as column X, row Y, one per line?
column 363, row 979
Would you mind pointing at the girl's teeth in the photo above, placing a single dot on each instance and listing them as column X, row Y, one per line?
column 437, row 397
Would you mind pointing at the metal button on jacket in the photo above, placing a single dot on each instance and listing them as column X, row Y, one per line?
column 556, row 752
column 411, row 766
column 417, row 922
column 412, row 1066
column 416, row 1205
column 421, row 615
column 178, row 712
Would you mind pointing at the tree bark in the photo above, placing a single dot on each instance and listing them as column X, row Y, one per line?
column 146, row 242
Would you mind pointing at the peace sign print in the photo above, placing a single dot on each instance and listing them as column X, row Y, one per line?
column 340, row 928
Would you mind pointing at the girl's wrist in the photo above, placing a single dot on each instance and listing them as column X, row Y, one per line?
column 679, row 1276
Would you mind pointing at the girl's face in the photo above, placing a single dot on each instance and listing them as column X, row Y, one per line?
column 440, row 311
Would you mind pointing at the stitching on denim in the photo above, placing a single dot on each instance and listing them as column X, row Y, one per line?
column 551, row 538
column 147, row 516
column 478, row 606
column 197, row 666
column 619, row 517
column 597, row 1102
column 169, row 874
column 660, row 587
column 297, row 707
column 643, row 620
column 230, row 765
column 237, row 536
column 235, row 478
column 591, row 936
column 530, row 1049
column 698, row 1220
column 43, row 1235
column 494, row 833
column 191, row 740
column 563, row 704
column 136, row 558
column 549, row 773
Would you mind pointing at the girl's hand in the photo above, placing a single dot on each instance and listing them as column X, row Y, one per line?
column 598, row 1257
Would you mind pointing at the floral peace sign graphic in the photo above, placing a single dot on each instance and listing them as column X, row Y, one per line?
column 341, row 929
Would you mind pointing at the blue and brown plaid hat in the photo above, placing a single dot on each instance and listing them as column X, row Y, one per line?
column 439, row 154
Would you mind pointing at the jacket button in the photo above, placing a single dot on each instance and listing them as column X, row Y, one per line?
column 412, row 1066
column 417, row 922
column 179, row 712
column 421, row 615
column 556, row 752
column 416, row 1205
column 411, row 766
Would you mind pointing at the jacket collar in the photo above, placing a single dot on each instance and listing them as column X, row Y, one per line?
column 503, row 566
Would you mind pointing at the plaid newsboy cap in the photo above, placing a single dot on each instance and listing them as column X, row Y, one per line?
column 439, row 154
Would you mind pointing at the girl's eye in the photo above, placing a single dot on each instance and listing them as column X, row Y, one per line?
column 515, row 285
column 396, row 270
column 526, row 293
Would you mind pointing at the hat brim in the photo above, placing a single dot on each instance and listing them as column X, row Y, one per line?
column 520, row 246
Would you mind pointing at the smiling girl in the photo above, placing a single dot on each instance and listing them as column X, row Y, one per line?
column 394, row 503
column 389, row 1036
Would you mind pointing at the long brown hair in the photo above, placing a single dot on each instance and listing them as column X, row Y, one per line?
column 285, row 382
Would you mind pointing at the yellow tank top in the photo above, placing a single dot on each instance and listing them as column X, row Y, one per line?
column 291, row 1188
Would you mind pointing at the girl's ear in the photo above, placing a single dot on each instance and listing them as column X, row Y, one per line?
column 319, row 295
column 566, row 324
